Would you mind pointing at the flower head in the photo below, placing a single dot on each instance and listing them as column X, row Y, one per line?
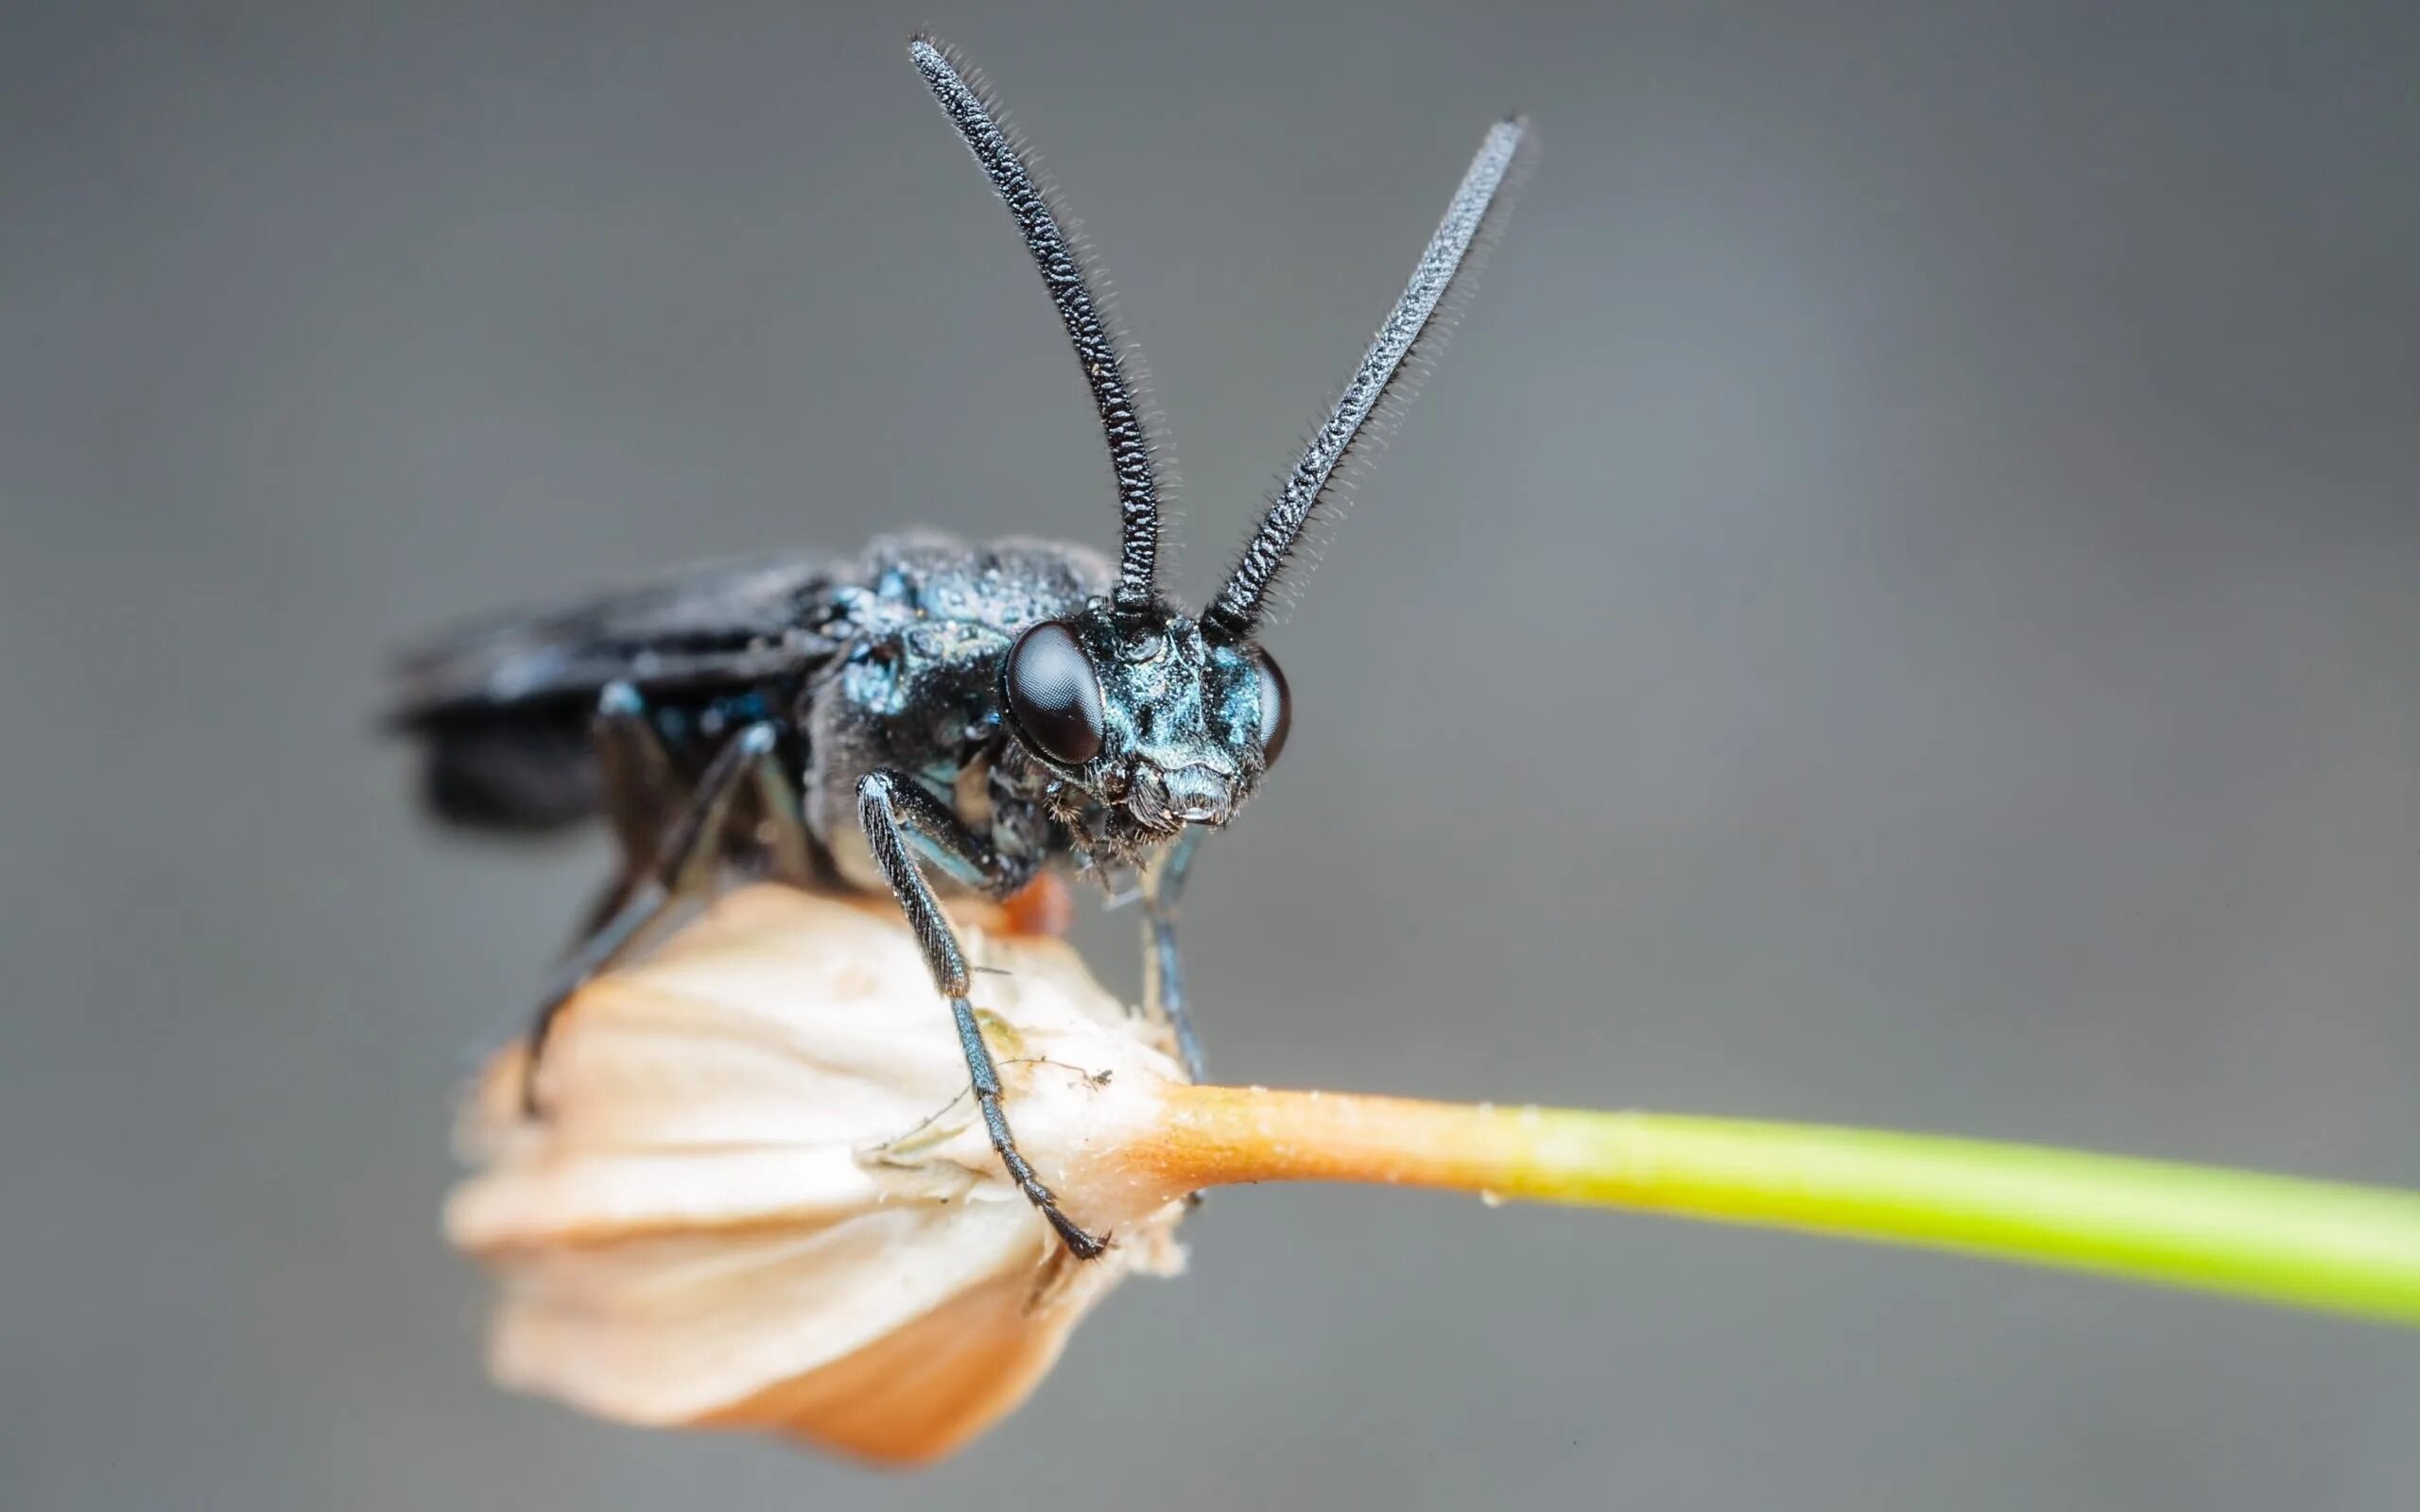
column 761, row 1195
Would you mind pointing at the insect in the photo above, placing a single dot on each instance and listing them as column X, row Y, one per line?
column 931, row 716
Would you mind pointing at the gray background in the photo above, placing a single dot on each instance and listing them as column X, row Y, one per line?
column 1899, row 608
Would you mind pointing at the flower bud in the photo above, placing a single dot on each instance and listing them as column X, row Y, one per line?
column 761, row 1194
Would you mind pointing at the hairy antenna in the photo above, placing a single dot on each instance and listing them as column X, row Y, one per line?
column 962, row 95
column 1469, row 224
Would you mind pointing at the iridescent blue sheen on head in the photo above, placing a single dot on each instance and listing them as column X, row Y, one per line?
column 1180, row 720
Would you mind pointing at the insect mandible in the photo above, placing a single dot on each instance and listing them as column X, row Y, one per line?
column 931, row 716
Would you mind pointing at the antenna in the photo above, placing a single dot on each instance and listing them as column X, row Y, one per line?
column 962, row 94
column 1424, row 312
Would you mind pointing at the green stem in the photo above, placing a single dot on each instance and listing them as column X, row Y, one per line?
column 2317, row 1245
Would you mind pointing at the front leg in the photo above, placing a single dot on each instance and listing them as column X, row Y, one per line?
column 1162, row 973
column 897, row 813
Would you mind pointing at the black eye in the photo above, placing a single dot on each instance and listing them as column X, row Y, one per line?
column 1055, row 695
column 1276, row 708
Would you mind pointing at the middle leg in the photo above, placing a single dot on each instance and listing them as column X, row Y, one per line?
column 687, row 854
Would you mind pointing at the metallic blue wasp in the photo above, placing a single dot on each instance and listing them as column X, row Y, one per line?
column 932, row 715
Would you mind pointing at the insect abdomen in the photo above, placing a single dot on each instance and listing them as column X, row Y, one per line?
column 514, row 774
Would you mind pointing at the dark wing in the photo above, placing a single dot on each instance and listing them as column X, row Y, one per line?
column 716, row 626
column 503, row 708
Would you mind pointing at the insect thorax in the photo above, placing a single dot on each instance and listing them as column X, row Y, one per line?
column 925, row 625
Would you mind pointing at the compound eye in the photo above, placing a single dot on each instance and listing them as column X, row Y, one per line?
column 1276, row 707
column 1055, row 695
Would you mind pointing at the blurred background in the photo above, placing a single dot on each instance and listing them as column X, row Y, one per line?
column 1901, row 606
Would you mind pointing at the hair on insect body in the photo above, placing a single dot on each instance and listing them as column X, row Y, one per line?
column 932, row 716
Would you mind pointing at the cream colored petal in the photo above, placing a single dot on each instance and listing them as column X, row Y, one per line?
column 929, row 1386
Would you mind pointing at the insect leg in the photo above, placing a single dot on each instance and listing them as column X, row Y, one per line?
column 897, row 813
column 789, row 850
column 684, row 864
column 634, row 774
column 640, row 792
column 1162, row 973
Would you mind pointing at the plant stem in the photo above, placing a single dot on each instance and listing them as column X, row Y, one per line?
column 2316, row 1244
